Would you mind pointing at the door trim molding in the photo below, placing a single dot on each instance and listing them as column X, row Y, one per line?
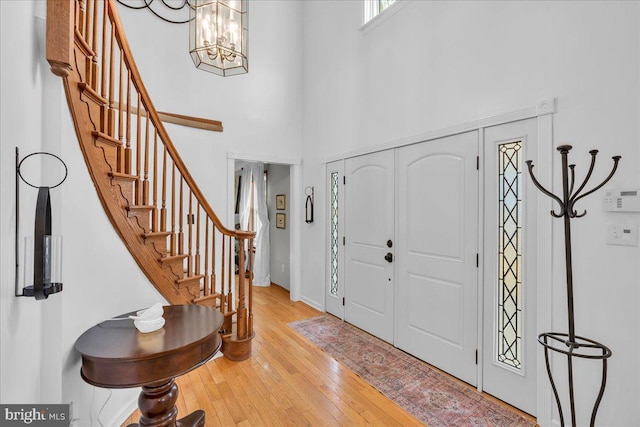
column 544, row 244
column 296, row 203
column 543, row 108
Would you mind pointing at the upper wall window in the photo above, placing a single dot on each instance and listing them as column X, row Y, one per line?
column 373, row 8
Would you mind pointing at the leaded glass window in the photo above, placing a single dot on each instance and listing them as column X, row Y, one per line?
column 373, row 8
column 334, row 233
column 509, row 316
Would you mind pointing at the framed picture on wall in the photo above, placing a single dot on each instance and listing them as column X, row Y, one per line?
column 281, row 202
column 281, row 220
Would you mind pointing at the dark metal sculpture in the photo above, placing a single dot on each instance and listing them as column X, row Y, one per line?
column 43, row 286
column 574, row 346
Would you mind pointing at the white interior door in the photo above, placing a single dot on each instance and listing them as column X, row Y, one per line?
column 334, row 299
column 509, row 342
column 369, row 221
column 437, row 249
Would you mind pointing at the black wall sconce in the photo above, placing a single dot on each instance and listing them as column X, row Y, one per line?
column 47, row 249
column 308, row 205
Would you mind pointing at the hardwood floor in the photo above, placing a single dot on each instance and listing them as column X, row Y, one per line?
column 287, row 382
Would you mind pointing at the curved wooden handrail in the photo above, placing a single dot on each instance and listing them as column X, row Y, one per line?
column 145, row 188
column 155, row 119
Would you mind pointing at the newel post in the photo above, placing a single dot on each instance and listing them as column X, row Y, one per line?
column 60, row 34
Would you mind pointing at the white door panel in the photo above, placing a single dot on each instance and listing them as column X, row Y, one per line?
column 437, row 247
column 509, row 341
column 369, row 221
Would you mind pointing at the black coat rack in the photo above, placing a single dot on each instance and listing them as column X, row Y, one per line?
column 570, row 344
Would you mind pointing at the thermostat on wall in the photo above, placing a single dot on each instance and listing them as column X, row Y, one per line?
column 622, row 200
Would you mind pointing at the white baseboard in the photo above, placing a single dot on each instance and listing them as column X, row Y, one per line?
column 313, row 304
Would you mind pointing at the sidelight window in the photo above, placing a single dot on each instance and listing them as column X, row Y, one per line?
column 509, row 313
column 334, row 233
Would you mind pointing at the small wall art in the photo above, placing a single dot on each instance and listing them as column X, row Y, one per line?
column 281, row 202
column 281, row 220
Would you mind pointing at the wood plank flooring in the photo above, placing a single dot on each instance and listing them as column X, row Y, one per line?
column 287, row 382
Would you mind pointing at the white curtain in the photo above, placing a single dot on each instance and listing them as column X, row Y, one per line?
column 253, row 174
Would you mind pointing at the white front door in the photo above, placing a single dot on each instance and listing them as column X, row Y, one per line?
column 509, row 342
column 335, row 250
column 369, row 221
column 437, row 250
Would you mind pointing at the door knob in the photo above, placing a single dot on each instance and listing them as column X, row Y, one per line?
column 389, row 243
column 389, row 257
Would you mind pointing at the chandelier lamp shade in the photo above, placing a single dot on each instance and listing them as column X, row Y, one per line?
column 218, row 32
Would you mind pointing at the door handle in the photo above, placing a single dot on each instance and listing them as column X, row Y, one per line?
column 389, row 257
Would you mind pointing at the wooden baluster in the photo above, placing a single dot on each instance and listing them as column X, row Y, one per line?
column 76, row 15
column 138, row 186
column 112, row 114
column 94, row 47
column 181, row 222
column 163, row 210
column 120, row 151
column 190, row 236
column 154, row 212
column 223, row 290
column 232, row 276
column 173, row 210
column 127, row 150
column 241, row 314
column 250, row 288
column 103, row 71
column 213, row 261
column 207, row 275
column 89, row 39
column 145, row 183
column 82, row 17
column 197, row 266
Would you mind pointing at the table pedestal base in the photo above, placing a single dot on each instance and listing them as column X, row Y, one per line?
column 157, row 404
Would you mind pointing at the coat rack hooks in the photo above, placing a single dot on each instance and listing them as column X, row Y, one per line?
column 574, row 346
column 308, row 205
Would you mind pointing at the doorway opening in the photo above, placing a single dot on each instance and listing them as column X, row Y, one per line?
column 273, row 187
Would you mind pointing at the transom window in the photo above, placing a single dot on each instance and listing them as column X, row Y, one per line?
column 373, row 8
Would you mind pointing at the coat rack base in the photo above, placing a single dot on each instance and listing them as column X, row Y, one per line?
column 584, row 348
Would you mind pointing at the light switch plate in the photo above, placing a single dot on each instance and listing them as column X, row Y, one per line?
column 625, row 234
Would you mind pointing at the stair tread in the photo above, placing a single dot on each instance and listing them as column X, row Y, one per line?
column 139, row 207
column 156, row 234
column 91, row 93
column 207, row 297
column 189, row 279
column 172, row 258
column 123, row 176
column 107, row 139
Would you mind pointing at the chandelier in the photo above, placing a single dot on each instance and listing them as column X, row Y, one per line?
column 219, row 36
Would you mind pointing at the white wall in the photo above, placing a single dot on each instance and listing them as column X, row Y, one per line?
column 261, row 113
column 437, row 64
column 278, row 182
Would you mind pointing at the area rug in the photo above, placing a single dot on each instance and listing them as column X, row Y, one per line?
column 427, row 394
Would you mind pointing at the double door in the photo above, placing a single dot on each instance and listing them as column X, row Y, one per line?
column 413, row 282
column 407, row 263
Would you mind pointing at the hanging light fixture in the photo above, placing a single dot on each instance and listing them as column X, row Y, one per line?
column 219, row 36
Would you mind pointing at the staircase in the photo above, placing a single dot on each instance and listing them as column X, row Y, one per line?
column 145, row 189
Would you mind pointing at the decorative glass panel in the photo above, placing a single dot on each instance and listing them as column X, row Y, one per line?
column 334, row 233
column 509, row 314
column 383, row 4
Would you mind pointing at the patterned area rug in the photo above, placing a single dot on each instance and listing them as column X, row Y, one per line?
column 427, row 394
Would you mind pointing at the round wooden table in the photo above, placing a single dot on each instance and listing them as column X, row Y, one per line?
column 116, row 355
